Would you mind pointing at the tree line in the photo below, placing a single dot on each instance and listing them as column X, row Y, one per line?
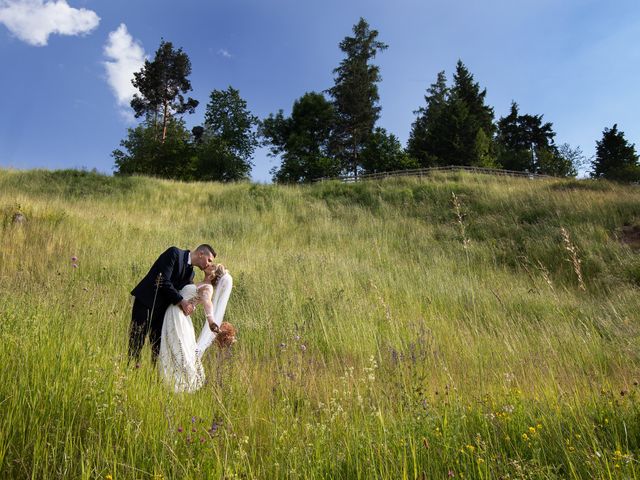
column 334, row 132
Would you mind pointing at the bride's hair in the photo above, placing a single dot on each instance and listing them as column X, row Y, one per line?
column 227, row 335
column 218, row 272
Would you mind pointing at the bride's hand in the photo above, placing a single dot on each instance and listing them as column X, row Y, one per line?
column 214, row 327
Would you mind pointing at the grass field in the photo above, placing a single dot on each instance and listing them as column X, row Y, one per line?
column 456, row 326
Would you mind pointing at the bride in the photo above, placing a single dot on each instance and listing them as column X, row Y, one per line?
column 180, row 355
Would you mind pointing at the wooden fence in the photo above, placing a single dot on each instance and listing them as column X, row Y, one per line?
column 423, row 172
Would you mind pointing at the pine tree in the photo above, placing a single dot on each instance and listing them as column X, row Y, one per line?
column 162, row 83
column 355, row 95
column 467, row 115
column 525, row 143
column 428, row 138
column 616, row 158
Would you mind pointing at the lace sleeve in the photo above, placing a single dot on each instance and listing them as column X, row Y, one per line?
column 205, row 292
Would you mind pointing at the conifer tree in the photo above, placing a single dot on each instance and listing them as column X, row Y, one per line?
column 355, row 95
column 162, row 83
column 616, row 158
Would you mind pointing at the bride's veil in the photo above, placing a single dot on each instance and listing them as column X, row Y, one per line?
column 220, row 299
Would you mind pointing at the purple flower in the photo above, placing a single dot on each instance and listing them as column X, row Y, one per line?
column 74, row 259
column 75, row 265
column 179, row 429
column 193, row 419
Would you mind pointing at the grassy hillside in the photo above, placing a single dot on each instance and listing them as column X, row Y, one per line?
column 457, row 326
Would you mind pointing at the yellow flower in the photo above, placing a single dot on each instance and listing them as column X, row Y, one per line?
column 538, row 426
column 471, row 448
column 480, row 460
column 532, row 430
column 525, row 437
column 108, row 477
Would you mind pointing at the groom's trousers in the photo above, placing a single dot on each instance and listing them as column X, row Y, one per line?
column 145, row 321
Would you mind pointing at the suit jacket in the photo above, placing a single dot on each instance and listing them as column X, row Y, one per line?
column 167, row 276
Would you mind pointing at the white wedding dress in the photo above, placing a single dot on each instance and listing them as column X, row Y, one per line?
column 180, row 355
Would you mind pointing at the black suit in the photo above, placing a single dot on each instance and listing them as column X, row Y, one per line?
column 153, row 295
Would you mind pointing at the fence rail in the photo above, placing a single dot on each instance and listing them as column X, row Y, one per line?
column 421, row 172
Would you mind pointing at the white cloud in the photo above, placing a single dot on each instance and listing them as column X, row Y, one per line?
column 125, row 56
column 32, row 21
column 225, row 53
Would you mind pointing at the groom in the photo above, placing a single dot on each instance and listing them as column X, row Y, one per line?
column 159, row 289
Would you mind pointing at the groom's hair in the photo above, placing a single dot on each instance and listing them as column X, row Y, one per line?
column 205, row 247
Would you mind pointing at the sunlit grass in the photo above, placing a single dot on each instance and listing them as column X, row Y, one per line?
column 409, row 328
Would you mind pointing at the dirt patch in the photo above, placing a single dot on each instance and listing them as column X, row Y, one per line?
column 631, row 236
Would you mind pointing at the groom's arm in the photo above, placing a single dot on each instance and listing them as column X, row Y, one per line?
column 167, row 262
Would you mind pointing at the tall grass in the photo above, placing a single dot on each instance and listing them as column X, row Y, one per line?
column 406, row 328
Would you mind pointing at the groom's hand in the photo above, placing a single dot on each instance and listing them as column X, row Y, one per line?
column 186, row 307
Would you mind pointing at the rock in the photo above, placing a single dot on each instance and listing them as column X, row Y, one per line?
column 18, row 218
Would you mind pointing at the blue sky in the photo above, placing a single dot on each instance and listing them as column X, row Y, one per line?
column 577, row 62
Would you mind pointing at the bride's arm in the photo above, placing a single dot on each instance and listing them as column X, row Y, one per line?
column 207, row 293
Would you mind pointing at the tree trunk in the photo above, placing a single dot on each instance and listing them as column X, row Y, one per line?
column 164, row 121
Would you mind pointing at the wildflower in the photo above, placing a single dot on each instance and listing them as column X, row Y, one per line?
column 303, row 347
column 538, row 426
column 108, row 477
column 74, row 259
column 471, row 448
column 525, row 437
column 75, row 265
column 480, row 460
column 451, row 474
column 179, row 429
column 532, row 430
column 282, row 345
column 193, row 419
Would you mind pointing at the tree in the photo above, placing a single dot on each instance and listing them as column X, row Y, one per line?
column 616, row 158
column 384, row 153
column 525, row 143
column 302, row 140
column 467, row 115
column 355, row 95
column 228, row 138
column 455, row 127
column 146, row 154
column 162, row 83
column 427, row 140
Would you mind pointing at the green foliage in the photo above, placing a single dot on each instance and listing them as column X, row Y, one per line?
column 146, row 154
column 384, row 153
column 385, row 330
column 616, row 158
column 161, row 84
column 355, row 95
column 455, row 127
column 302, row 140
column 228, row 138
column 426, row 140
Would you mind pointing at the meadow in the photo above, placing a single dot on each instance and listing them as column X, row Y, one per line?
column 452, row 326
